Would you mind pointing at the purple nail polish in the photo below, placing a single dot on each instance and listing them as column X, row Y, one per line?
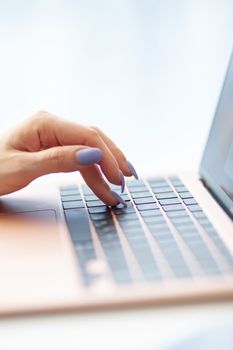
column 132, row 170
column 122, row 181
column 89, row 156
column 119, row 199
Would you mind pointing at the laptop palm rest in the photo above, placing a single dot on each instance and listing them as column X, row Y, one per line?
column 33, row 262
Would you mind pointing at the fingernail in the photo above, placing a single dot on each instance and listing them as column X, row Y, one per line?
column 122, row 182
column 132, row 170
column 89, row 156
column 119, row 199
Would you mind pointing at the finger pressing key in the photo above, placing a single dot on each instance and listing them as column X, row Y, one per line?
column 94, row 179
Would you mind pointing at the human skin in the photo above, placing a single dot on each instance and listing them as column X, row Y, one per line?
column 46, row 144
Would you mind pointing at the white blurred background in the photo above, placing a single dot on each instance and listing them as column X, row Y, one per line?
column 147, row 72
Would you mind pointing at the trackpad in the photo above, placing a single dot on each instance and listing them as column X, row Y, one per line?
column 35, row 266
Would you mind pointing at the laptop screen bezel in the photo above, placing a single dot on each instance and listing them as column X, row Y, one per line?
column 222, row 198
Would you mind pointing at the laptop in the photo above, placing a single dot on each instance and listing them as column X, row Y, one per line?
column 61, row 248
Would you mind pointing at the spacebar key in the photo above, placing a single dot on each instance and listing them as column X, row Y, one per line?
column 78, row 224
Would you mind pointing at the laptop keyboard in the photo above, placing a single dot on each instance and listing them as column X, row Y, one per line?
column 162, row 234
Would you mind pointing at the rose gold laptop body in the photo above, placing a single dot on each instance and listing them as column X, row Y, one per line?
column 39, row 270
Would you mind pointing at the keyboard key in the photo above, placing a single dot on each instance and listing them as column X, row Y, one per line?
column 160, row 184
column 195, row 244
column 85, row 252
column 134, row 233
column 174, row 178
column 123, row 211
column 141, row 194
column 102, row 223
column 166, row 195
column 87, row 190
column 144, row 200
column 168, row 245
column 194, row 208
column 69, row 190
column 162, row 234
column 211, row 232
column 169, row 201
column 116, row 260
column 152, row 274
column 101, row 216
column 174, row 258
column 148, row 206
column 173, row 207
column 73, row 192
column 121, row 276
column 73, row 204
column 190, row 201
column 138, row 189
column 154, row 219
column 100, row 209
column 134, row 183
column 176, row 261
column 146, row 213
column 69, row 198
column 126, row 224
column 157, row 181
column 181, row 220
column 180, row 268
column 205, row 223
column 68, row 187
column 162, row 190
column 158, row 226
column 181, row 189
column 125, row 196
column 135, row 236
column 176, row 181
column 189, row 234
column 175, row 214
column 127, row 217
column 107, row 229
column 145, row 259
column 181, row 226
column 98, row 203
column 112, row 248
column 199, row 214
column 185, row 195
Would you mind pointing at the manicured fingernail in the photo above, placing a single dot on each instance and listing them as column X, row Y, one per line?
column 122, row 182
column 132, row 170
column 119, row 199
column 89, row 156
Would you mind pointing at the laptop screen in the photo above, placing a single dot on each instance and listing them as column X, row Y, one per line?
column 217, row 162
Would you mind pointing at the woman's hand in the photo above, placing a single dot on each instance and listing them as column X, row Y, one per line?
column 46, row 144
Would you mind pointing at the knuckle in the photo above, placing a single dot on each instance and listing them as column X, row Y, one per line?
column 39, row 123
column 42, row 117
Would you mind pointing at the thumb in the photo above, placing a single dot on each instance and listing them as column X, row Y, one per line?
column 65, row 159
